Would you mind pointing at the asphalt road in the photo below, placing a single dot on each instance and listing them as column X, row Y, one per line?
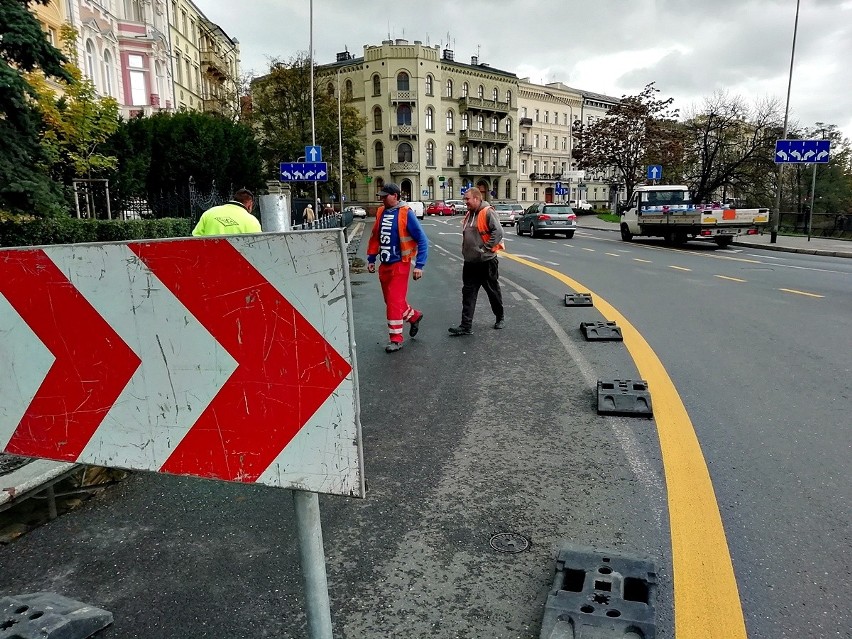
column 468, row 437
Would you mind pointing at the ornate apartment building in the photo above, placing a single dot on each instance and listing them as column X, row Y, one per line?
column 150, row 55
column 434, row 125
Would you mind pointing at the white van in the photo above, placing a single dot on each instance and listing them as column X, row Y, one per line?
column 417, row 207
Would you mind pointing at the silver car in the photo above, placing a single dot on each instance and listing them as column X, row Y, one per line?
column 548, row 219
column 508, row 213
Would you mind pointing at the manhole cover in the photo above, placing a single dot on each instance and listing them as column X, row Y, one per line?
column 509, row 542
column 8, row 463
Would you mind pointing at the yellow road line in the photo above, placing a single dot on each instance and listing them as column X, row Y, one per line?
column 706, row 600
column 680, row 268
column 792, row 290
column 725, row 277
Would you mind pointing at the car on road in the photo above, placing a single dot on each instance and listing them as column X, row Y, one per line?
column 417, row 207
column 357, row 211
column 508, row 213
column 543, row 218
column 439, row 207
column 458, row 206
column 580, row 205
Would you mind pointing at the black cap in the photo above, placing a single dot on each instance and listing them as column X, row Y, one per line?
column 390, row 189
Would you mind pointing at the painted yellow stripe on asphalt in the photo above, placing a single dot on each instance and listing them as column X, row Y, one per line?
column 680, row 268
column 706, row 600
column 792, row 290
column 636, row 259
column 733, row 279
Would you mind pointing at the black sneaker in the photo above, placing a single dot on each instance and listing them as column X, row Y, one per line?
column 393, row 347
column 455, row 331
column 500, row 323
column 415, row 326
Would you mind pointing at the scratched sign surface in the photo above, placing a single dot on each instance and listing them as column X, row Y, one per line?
column 227, row 358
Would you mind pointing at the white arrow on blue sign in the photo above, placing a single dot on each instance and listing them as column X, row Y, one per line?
column 313, row 153
column 655, row 171
column 303, row 172
column 802, row 151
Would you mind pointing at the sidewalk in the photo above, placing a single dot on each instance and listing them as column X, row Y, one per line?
column 789, row 243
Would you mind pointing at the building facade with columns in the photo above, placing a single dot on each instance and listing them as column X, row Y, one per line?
column 434, row 125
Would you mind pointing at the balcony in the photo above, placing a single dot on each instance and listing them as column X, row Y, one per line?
column 525, row 122
column 525, row 148
column 214, row 64
column 484, row 136
column 404, row 167
column 481, row 104
column 483, row 169
column 403, row 97
column 404, row 131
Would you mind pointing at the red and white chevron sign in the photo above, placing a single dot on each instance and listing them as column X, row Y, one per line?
column 228, row 358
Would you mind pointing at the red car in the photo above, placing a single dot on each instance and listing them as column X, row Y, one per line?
column 439, row 207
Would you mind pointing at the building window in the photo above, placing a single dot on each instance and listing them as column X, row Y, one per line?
column 450, row 121
column 189, row 77
column 535, row 140
column 449, row 92
column 430, row 153
column 480, row 92
column 535, row 195
column 508, row 159
column 349, row 89
column 508, row 193
column 134, row 10
column 553, row 168
column 535, row 166
column 536, row 115
column 546, row 143
column 430, row 186
column 523, row 194
column 494, row 124
column 523, row 139
column 547, row 117
column 183, row 22
column 523, row 112
column 523, row 167
column 404, row 153
column 402, row 81
column 493, row 156
column 495, row 94
column 377, row 85
column 564, row 144
column 480, row 155
column 450, row 189
column 380, row 154
column 91, row 61
column 465, row 90
column 565, row 119
column 509, row 97
column 480, row 122
column 403, row 114
column 451, row 152
column 161, row 82
column 51, row 35
column 108, row 76
column 377, row 120
column 178, row 75
column 138, row 94
column 430, row 119
column 429, row 85
column 465, row 156
column 465, row 121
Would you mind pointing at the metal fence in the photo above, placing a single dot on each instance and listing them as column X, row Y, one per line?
column 822, row 224
column 187, row 201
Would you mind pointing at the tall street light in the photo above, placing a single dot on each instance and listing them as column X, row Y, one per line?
column 773, row 237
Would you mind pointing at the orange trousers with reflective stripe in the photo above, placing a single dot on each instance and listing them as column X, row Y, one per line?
column 394, row 281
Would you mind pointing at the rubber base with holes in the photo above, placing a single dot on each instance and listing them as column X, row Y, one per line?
column 47, row 615
column 601, row 331
column 578, row 299
column 600, row 594
column 624, row 397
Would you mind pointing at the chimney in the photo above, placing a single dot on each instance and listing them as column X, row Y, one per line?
column 448, row 54
column 474, row 60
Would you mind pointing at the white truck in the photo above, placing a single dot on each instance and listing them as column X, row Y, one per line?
column 667, row 211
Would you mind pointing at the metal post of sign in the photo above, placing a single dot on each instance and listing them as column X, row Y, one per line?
column 811, row 211
column 340, row 140
column 313, row 120
column 309, row 530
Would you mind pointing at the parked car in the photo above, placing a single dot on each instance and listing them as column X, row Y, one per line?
column 508, row 213
column 458, row 205
column 357, row 211
column 543, row 218
column 580, row 205
column 439, row 207
column 417, row 207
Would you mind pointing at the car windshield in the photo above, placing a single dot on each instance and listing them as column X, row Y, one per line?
column 558, row 210
column 665, row 197
column 504, row 207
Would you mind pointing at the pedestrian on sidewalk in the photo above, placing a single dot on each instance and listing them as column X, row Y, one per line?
column 230, row 218
column 309, row 216
column 397, row 240
column 482, row 237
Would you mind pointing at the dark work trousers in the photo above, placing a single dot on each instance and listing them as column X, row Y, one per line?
column 474, row 275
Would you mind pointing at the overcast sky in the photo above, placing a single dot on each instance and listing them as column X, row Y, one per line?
column 690, row 48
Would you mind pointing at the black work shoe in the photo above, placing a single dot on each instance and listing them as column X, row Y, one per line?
column 393, row 347
column 455, row 331
column 415, row 326
column 500, row 323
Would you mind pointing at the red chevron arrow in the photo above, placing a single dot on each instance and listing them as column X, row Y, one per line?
column 286, row 369
column 92, row 363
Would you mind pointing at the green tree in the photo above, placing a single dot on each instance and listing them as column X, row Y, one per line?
column 833, row 192
column 281, row 118
column 638, row 131
column 25, row 186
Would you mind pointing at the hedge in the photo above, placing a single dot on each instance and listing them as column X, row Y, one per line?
column 69, row 230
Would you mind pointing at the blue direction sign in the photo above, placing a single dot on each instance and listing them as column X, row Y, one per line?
column 304, row 172
column 655, row 171
column 802, row 151
column 313, row 153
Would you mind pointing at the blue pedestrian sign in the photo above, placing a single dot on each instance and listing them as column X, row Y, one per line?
column 802, row 151
column 655, row 171
column 313, row 154
column 303, row 172
column 558, row 189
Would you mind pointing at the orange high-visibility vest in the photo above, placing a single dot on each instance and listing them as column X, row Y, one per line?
column 482, row 227
column 407, row 244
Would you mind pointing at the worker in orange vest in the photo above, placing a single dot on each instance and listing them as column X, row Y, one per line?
column 482, row 237
column 397, row 240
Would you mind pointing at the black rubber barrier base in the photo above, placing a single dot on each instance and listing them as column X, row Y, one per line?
column 624, row 397
column 47, row 615
column 601, row 331
column 578, row 299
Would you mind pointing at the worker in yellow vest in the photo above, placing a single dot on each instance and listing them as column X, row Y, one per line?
column 230, row 218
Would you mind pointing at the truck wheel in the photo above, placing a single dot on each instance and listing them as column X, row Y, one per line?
column 724, row 242
column 626, row 235
column 679, row 238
